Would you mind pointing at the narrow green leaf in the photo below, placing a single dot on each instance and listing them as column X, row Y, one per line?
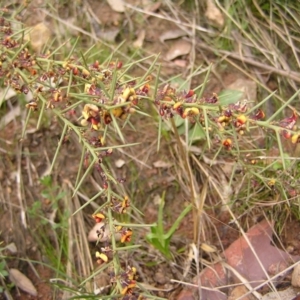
column 228, row 96
column 178, row 220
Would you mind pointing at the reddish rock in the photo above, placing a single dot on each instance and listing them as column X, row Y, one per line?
column 240, row 256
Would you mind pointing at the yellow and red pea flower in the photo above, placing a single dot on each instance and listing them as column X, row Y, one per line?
column 118, row 228
column 145, row 88
column 190, row 112
column 178, row 107
column 127, row 93
column 259, row 115
column 227, row 143
column 240, row 120
column 101, row 258
column 128, row 281
column 127, row 290
column 91, row 114
column 125, row 204
column 131, row 272
column 272, row 182
column 98, row 217
column 189, row 94
column 289, row 122
column 223, row 120
column 120, row 207
column 126, row 234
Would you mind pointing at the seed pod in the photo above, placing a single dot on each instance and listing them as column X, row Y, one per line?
column 22, row 282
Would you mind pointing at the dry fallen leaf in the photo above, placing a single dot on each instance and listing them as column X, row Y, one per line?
column 213, row 13
column 162, row 164
column 208, row 248
column 117, row 5
column 172, row 34
column 138, row 43
column 287, row 294
column 6, row 94
column 119, row 163
column 10, row 116
column 39, row 35
column 22, row 282
column 12, row 248
column 108, row 35
column 182, row 63
column 248, row 87
column 179, row 48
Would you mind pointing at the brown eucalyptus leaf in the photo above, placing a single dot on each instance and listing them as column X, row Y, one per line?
column 12, row 248
column 109, row 35
column 161, row 164
column 138, row 43
column 182, row 63
column 119, row 163
column 208, row 248
column 248, row 87
column 214, row 14
column 287, row 294
column 22, row 282
column 172, row 34
column 152, row 7
column 39, row 35
column 179, row 48
column 117, row 5
column 10, row 116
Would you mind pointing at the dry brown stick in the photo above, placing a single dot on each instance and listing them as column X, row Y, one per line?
column 289, row 74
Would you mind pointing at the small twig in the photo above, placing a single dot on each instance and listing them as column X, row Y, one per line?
column 165, row 17
column 289, row 74
column 19, row 189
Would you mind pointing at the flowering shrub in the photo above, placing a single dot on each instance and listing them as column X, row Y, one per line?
column 97, row 97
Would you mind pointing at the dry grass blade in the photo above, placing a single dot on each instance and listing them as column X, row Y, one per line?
column 288, row 74
column 165, row 17
column 19, row 183
column 79, row 255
